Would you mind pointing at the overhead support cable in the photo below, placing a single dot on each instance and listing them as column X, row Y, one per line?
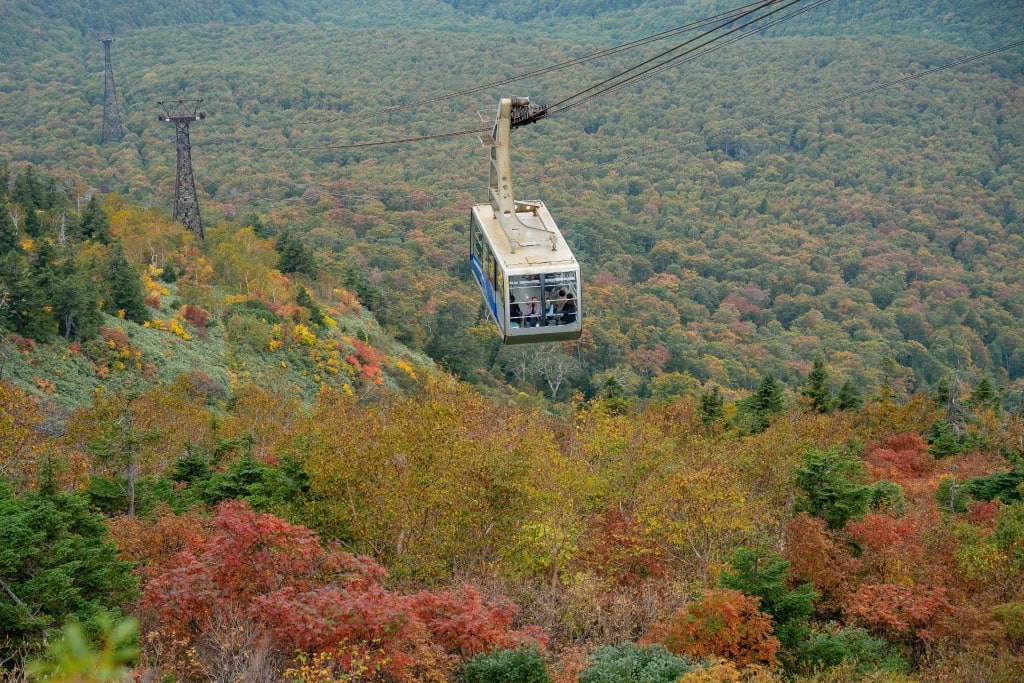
column 684, row 57
column 776, row 118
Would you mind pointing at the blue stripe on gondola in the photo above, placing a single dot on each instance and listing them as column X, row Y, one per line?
column 485, row 287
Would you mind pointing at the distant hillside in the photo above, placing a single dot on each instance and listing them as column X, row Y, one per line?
column 976, row 23
column 27, row 26
column 801, row 192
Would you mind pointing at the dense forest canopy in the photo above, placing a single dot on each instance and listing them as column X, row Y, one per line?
column 789, row 445
column 746, row 210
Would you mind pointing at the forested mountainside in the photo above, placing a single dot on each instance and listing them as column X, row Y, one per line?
column 745, row 211
column 796, row 409
column 31, row 24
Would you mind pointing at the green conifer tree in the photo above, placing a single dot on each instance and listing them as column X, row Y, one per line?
column 832, row 486
column 984, row 396
column 58, row 564
column 817, row 389
column 169, row 273
column 31, row 225
column 27, row 308
column 849, row 397
column 769, row 397
column 294, row 256
column 316, row 316
column 8, row 231
column 766, row 575
column 5, row 179
column 28, row 190
column 94, row 224
column 76, row 304
column 941, row 393
column 712, row 406
column 125, row 288
column 756, row 411
column 942, row 439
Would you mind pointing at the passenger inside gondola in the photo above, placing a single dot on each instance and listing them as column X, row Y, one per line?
column 568, row 311
column 533, row 312
column 555, row 301
column 515, row 313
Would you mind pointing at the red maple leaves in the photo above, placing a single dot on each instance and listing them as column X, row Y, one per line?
column 311, row 598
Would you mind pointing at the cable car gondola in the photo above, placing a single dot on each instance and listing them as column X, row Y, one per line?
column 528, row 276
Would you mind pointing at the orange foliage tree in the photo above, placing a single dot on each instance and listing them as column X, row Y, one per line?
column 820, row 557
column 900, row 614
column 619, row 550
column 724, row 623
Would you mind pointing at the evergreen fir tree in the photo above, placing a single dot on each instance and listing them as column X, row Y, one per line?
column 765, row 574
column 832, row 483
column 26, row 311
column 125, row 288
column 8, row 231
column 316, row 316
column 42, row 290
column 756, row 411
column 849, row 397
column 294, row 256
column 94, row 224
column 817, row 389
column 58, row 564
column 169, row 273
column 769, row 397
column 942, row 391
column 942, row 439
column 31, row 225
column 259, row 227
column 712, row 406
column 76, row 305
column 984, row 396
column 28, row 190
column 5, row 180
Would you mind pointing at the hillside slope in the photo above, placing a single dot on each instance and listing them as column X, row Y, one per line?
column 66, row 339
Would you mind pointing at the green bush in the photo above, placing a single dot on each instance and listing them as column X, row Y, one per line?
column 849, row 645
column 887, row 496
column 634, row 664
column 522, row 665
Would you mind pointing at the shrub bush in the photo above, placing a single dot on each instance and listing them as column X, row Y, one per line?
column 851, row 645
column 634, row 664
column 521, row 665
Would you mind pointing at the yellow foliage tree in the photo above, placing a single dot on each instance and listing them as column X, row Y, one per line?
column 25, row 448
column 427, row 484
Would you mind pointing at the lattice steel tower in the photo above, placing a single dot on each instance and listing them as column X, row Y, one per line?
column 186, row 205
column 112, row 128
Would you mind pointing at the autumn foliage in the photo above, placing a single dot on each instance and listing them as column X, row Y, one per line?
column 724, row 623
column 619, row 550
column 899, row 613
column 312, row 598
